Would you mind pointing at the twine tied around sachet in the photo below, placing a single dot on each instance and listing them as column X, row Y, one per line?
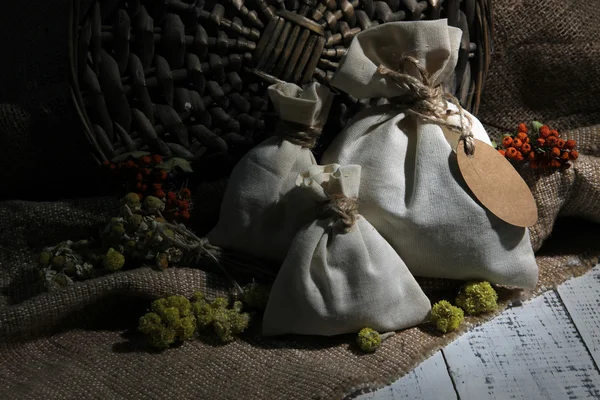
column 343, row 210
column 298, row 134
column 428, row 102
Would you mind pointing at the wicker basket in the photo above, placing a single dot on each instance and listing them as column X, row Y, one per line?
column 188, row 78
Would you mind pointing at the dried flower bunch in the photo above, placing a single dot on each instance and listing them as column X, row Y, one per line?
column 540, row 146
column 151, row 175
column 140, row 235
column 175, row 319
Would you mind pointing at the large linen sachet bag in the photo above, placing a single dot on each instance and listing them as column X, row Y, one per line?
column 340, row 275
column 412, row 190
column 260, row 212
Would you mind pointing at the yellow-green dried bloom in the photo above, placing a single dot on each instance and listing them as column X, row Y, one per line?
column 58, row 262
column 256, row 296
column 113, row 260
column 153, row 204
column 132, row 201
column 226, row 322
column 45, row 258
column 170, row 319
column 368, row 340
column 477, row 297
column 447, row 317
column 134, row 221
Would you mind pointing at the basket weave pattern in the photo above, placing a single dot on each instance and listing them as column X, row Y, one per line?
column 188, row 78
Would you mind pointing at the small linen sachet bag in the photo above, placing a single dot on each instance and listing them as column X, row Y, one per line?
column 340, row 275
column 412, row 190
column 260, row 212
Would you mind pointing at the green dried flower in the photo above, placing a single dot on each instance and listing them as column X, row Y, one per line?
column 368, row 340
column 153, row 204
column 58, row 262
column 45, row 258
column 447, row 317
column 226, row 322
column 256, row 296
column 113, row 260
column 170, row 319
column 477, row 297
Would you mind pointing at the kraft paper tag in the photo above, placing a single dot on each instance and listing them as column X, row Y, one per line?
column 497, row 184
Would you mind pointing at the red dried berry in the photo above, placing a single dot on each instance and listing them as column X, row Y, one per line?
column 171, row 195
column 185, row 215
column 160, row 194
column 185, row 192
column 128, row 164
column 145, row 160
column 139, row 177
column 156, row 159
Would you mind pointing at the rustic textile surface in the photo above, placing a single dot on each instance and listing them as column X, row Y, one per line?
column 79, row 343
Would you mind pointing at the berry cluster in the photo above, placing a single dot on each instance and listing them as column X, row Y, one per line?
column 540, row 146
column 145, row 176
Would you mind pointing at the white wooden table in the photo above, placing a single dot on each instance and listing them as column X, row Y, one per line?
column 549, row 348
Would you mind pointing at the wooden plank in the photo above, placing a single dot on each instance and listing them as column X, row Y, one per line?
column 430, row 380
column 581, row 297
column 531, row 352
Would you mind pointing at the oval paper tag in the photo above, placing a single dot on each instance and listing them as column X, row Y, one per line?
column 497, row 185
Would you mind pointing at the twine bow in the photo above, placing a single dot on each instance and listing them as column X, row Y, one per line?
column 428, row 102
column 299, row 134
column 343, row 210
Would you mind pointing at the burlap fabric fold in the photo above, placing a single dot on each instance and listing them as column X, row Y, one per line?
column 81, row 342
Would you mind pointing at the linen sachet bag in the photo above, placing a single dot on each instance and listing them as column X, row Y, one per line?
column 260, row 213
column 340, row 275
column 412, row 190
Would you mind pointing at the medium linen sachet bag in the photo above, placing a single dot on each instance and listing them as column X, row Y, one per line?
column 412, row 190
column 340, row 275
column 260, row 213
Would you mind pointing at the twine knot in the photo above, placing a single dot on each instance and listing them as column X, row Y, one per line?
column 428, row 102
column 343, row 210
column 298, row 134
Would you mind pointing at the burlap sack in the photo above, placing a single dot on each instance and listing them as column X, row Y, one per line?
column 340, row 275
column 412, row 191
column 262, row 209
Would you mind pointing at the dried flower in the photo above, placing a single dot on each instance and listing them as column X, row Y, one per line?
column 517, row 144
column 511, row 152
column 153, row 204
column 540, row 142
column 145, row 160
column 502, row 152
column 522, row 136
column 507, row 141
column 447, row 318
column 368, row 340
column 570, row 144
column 185, row 215
column 544, row 131
column 555, row 164
column 170, row 319
column 113, row 260
column 128, row 164
column 551, row 141
column 156, row 159
column 526, row 148
column 531, row 156
column 560, row 143
column 477, row 297
column 564, row 156
column 146, row 171
column 574, row 155
column 171, row 195
column 162, row 175
column 554, row 133
column 160, row 194
column 523, row 128
column 555, row 152
column 185, row 192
